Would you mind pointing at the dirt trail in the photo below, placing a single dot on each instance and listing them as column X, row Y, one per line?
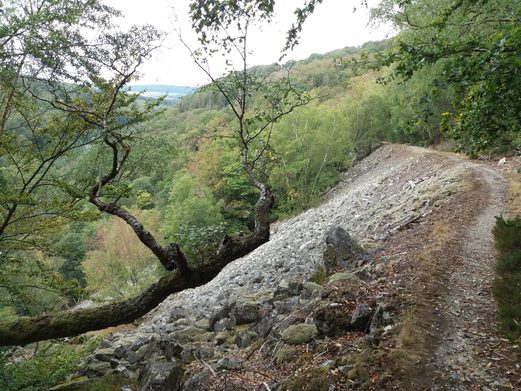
column 466, row 351
column 467, row 356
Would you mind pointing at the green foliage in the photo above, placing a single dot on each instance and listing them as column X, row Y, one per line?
column 50, row 364
column 71, row 248
column 118, row 265
column 475, row 46
column 507, row 285
column 61, row 91
column 192, row 213
column 200, row 242
column 312, row 146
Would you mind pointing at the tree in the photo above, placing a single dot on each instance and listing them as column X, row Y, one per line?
column 64, row 101
column 476, row 44
column 255, row 100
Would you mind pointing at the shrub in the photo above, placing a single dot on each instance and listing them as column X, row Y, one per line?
column 507, row 285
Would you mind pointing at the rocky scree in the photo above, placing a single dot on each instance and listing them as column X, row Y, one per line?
column 270, row 290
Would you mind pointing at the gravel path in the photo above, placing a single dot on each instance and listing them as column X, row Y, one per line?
column 469, row 355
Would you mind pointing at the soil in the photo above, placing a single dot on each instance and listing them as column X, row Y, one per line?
column 439, row 269
column 427, row 217
column 446, row 273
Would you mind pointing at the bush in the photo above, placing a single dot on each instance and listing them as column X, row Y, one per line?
column 50, row 365
column 507, row 285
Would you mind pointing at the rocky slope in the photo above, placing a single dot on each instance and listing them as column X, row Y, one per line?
column 311, row 308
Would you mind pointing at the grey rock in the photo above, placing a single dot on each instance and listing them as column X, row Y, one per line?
column 381, row 318
column 295, row 287
column 287, row 306
column 218, row 313
column 246, row 311
column 203, row 324
column 284, row 355
column 99, row 368
column 228, row 363
column 161, row 376
column 264, row 325
column 361, row 317
column 181, row 322
column 187, row 334
column 331, row 319
column 343, row 276
column 195, row 382
column 104, row 354
column 341, row 250
column 364, row 274
column 224, row 324
column 299, row 333
column 171, row 349
column 312, row 289
column 245, row 338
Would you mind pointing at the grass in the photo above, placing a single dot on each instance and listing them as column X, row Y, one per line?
column 507, row 285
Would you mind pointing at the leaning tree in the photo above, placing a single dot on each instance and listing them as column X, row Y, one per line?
column 63, row 95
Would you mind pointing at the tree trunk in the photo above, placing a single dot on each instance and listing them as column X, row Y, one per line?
column 25, row 330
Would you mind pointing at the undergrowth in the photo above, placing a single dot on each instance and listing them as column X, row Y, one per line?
column 43, row 367
column 507, row 285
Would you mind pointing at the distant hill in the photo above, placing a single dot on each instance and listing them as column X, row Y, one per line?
column 173, row 93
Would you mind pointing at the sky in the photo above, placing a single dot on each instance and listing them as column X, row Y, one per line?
column 332, row 26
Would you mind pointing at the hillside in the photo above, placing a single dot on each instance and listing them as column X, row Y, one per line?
column 312, row 309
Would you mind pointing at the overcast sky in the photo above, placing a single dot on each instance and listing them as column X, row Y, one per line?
column 333, row 25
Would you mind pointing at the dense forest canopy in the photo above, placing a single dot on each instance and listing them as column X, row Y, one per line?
column 98, row 184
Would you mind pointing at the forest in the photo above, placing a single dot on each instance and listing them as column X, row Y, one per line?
column 93, row 178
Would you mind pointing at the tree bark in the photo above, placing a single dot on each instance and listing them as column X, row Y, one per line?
column 26, row 330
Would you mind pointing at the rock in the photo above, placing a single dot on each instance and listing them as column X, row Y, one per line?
column 224, row 324
column 245, row 338
column 381, row 318
column 104, row 354
column 342, row 251
column 171, row 349
column 203, row 324
column 188, row 354
column 363, row 274
column 161, row 376
column 195, row 383
column 360, row 317
column 328, row 364
column 219, row 312
column 228, row 363
column 287, row 306
column 246, row 312
column 187, row 334
column 331, row 319
column 221, row 337
column 295, row 287
column 98, row 368
column 312, row 289
column 282, row 289
column 342, row 277
column 344, row 369
column 284, row 355
column 181, row 322
column 84, row 305
column 264, row 325
column 299, row 333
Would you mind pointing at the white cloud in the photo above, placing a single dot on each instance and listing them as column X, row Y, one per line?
column 333, row 25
